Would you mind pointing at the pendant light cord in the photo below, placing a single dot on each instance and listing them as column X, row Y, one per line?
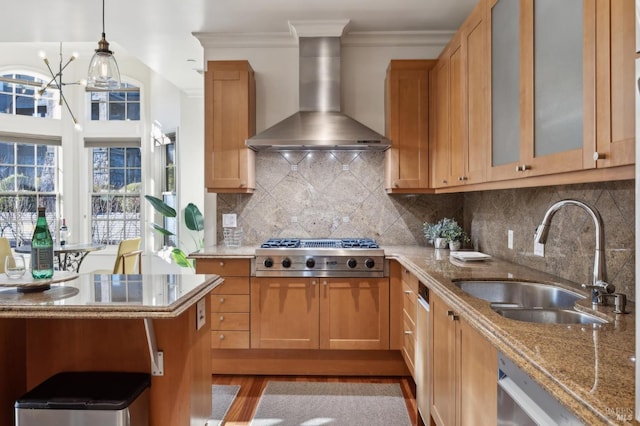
column 103, row 18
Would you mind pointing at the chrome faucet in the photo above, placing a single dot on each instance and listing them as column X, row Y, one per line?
column 599, row 286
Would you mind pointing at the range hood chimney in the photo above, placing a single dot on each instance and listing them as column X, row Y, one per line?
column 319, row 124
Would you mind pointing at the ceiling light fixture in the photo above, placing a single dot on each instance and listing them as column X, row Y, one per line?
column 103, row 68
column 56, row 81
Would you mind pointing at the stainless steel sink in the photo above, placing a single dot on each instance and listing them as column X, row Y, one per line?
column 520, row 294
column 530, row 301
column 550, row 316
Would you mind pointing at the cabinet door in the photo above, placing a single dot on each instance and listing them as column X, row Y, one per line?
column 457, row 114
column 443, row 363
column 478, row 378
column 354, row 313
column 407, row 119
column 284, row 313
column 439, row 142
column 615, row 82
column 229, row 121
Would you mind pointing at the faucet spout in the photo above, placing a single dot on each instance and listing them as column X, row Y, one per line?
column 599, row 281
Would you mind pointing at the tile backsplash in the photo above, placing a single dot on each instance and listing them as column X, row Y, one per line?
column 331, row 194
column 570, row 247
column 341, row 194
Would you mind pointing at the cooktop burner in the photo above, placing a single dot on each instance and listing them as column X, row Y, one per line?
column 320, row 243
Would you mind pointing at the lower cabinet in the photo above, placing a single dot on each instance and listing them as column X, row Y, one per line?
column 464, row 371
column 320, row 313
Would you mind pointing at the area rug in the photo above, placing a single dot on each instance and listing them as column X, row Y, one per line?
column 328, row 403
column 223, row 396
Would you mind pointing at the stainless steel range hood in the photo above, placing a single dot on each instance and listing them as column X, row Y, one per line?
column 319, row 124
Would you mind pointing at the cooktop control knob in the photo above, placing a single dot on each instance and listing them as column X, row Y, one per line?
column 268, row 262
column 286, row 262
column 310, row 262
column 351, row 263
column 369, row 263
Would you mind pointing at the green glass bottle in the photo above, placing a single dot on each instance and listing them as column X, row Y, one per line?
column 41, row 248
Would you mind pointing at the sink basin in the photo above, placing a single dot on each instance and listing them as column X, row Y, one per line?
column 520, row 294
column 530, row 301
column 550, row 316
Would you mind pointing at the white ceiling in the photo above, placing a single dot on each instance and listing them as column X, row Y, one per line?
column 159, row 32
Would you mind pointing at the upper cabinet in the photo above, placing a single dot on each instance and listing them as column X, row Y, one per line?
column 407, row 119
column 230, row 94
column 562, row 99
column 459, row 138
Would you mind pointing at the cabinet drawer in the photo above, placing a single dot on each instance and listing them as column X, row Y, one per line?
column 409, row 302
column 410, row 280
column 229, row 303
column 230, row 321
column 224, row 267
column 230, row 339
column 233, row 285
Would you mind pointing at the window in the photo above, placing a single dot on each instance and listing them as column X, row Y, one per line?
column 169, row 187
column 19, row 96
column 28, row 179
column 120, row 105
column 116, row 185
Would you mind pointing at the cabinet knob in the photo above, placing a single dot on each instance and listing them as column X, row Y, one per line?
column 221, row 318
column 222, row 300
column 597, row 156
column 395, row 184
column 313, row 282
column 452, row 316
column 444, row 181
column 221, row 263
column 522, row 168
column 242, row 184
column 324, row 282
column 221, row 337
column 462, row 178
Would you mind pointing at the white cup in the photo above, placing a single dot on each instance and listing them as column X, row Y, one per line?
column 14, row 266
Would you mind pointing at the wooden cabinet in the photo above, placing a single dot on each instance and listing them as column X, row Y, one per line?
column 459, row 103
column 230, row 96
column 409, row 318
column 615, row 83
column 230, row 302
column 319, row 313
column 407, row 122
column 464, row 371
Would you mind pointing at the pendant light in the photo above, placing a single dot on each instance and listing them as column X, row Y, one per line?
column 103, row 68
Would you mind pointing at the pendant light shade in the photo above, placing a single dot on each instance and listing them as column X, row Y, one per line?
column 103, row 68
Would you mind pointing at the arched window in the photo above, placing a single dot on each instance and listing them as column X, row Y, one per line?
column 19, row 95
column 115, row 105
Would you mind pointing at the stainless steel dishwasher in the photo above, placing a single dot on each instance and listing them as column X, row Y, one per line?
column 523, row 402
column 422, row 363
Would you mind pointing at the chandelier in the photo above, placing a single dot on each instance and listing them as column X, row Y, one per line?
column 56, row 82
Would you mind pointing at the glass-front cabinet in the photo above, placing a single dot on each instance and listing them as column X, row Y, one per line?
column 543, row 88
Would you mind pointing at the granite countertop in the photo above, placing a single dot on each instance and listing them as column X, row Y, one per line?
column 589, row 368
column 108, row 296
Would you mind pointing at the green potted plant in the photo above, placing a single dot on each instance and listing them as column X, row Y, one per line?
column 453, row 234
column 433, row 232
column 193, row 220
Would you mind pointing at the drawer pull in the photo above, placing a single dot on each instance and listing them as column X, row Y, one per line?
column 408, row 292
column 221, row 263
column 408, row 332
column 314, row 282
column 221, row 318
column 222, row 300
column 222, row 337
column 324, row 282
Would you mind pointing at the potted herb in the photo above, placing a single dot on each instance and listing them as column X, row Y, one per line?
column 433, row 232
column 454, row 234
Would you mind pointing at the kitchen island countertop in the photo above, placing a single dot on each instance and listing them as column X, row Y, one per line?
column 590, row 369
column 109, row 296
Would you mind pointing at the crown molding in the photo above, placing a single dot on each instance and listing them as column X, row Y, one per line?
column 319, row 28
column 351, row 39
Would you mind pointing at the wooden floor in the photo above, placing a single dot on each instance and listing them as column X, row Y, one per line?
column 251, row 387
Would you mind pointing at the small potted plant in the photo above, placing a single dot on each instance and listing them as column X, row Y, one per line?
column 433, row 232
column 453, row 234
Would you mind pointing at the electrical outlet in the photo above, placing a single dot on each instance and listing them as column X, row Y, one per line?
column 510, row 239
column 201, row 314
column 538, row 249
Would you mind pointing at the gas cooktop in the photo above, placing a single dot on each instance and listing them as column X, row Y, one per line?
column 320, row 257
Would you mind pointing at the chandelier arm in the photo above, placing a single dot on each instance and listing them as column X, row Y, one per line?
column 53, row 77
column 73, row 117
